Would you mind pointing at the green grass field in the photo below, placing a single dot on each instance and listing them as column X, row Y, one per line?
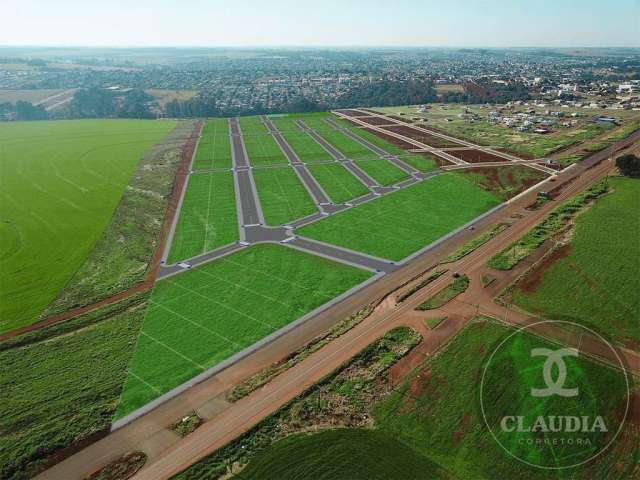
column 596, row 283
column 232, row 303
column 60, row 183
column 354, row 454
column 398, row 224
column 282, row 196
column 59, row 389
column 338, row 182
column 253, row 126
column 436, row 410
column 307, row 149
column 208, row 217
column 347, row 146
column 261, row 147
column 214, row 147
column 382, row 171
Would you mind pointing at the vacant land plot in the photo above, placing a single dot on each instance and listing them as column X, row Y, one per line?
column 375, row 120
column 60, row 391
column 305, row 147
column 232, row 303
column 282, row 196
column 422, row 137
column 261, row 147
column 338, row 182
column 253, row 126
column 475, row 156
column 60, row 183
column 594, row 280
column 435, row 411
column 382, row 171
column 401, row 223
column 356, row 454
column 33, row 96
column 214, row 147
column 208, row 217
column 504, row 182
column 347, row 146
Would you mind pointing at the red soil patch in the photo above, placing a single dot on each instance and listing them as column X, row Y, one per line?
column 375, row 120
column 172, row 205
column 354, row 113
column 422, row 137
column 525, row 156
column 400, row 119
column 476, row 156
column 531, row 282
column 458, row 435
column 391, row 139
column 553, row 166
column 121, row 469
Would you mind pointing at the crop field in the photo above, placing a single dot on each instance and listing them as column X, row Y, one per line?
column 60, row 183
column 403, row 222
column 579, row 283
column 233, row 302
column 282, row 196
column 214, row 147
column 208, row 217
column 356, row 454
column 339, row 183
column 382, row 171
column 435, row 411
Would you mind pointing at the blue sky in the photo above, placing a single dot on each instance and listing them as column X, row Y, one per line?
column 491, row 23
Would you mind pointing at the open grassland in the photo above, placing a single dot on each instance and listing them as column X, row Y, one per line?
column 305, row 147
column 341, row 399
column 382, row 171
column 594, row 280
column 208, row 217
column 214, row 147
column 347, row 146
column 436, row 410
column 356, row 454
column 282, row 196
column 338, row 182
column 60, row 183
column 444, row 117
column 403, row 222
column 61, row 385
column 232, row 303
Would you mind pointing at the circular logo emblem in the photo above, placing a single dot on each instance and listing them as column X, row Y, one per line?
column 548, row 404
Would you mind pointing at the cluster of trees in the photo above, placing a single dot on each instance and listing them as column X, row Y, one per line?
column 22, row 111
column 489, row 93
column 101, row 103
column 629, row 165
column 388, row 93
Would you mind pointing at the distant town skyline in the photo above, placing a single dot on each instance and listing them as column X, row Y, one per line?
column 331, row 23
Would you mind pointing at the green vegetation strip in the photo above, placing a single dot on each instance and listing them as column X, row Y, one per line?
column 419, row 286
column 477, row 242
column 448, row 293
column 342, row 399
column 208, row 217
column 344, row 144
column 383, row 171
column 338, row 182
column 305, row 147
column 261, row 147
column 594, row 279
column 403, row 222
column 282, row 196
column 432, row 323
column 201, row 317
column 57, row 392
column 265, row 375
column 552, row 224
column 214, row 147
column 59, row 185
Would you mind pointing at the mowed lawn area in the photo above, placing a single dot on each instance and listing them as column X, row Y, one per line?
column 347, row 146
column 596, row 281
column 382, row 171
column 339, row 183
column 305, row 147
column 208, row 217
column 261, row 147
column 401, row 223
column 282, row 196
column 214, row 147
column 199, row 318
column 59, row 185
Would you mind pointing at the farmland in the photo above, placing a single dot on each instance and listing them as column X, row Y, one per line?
column 282, row 196
column 214, row 148
column 579, row 284
column 61, row 182
column 403, row 222
column 338, row 182
column 435, row 411
column 208, row 216
column 233, row 302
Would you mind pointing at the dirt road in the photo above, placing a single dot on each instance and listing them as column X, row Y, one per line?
column 168, row 453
